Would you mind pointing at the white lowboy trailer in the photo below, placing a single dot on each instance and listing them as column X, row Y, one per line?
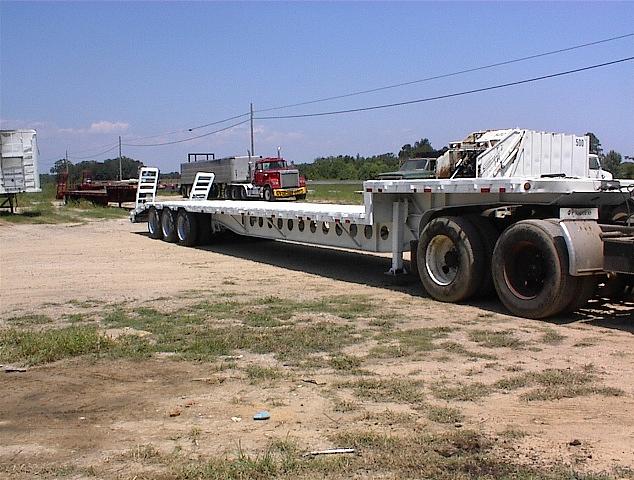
column 535, row 240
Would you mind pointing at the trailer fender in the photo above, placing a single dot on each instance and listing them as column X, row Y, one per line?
column 582, row 235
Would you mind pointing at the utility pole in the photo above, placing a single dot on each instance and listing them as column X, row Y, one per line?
column 66, row 162
column 252, row 150
column 120, row 175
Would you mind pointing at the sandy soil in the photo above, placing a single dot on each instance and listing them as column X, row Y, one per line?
column 93, row 413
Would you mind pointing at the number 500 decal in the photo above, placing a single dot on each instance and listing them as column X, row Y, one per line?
column 579, row 142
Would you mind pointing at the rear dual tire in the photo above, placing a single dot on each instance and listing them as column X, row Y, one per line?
column 530, row 271
column 450, row 261
column 459, row 258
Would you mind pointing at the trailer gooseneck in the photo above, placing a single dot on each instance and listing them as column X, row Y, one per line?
column 536, row 241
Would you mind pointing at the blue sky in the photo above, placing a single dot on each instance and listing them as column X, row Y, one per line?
column 83, row 73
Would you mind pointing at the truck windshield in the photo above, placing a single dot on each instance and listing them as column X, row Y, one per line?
column 273, row 164
column 415, row 165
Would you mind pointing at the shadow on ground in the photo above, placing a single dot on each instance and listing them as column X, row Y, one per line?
column 368, row 269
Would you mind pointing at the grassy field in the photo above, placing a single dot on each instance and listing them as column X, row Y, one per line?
column 287, row 341
column 335, row 193
column 42, row 208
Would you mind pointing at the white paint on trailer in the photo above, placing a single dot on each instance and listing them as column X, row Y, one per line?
column 18, row 162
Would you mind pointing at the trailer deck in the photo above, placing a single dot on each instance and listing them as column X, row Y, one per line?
column 287, row 210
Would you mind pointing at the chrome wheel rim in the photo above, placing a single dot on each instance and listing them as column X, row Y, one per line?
column 442, row 260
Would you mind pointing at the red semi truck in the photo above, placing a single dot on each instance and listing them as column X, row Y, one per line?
column 242, row 178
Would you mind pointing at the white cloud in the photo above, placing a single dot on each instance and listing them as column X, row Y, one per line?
column 108, row 127
column 99, row 128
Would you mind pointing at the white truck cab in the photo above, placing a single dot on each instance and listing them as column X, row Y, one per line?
column 595, row 170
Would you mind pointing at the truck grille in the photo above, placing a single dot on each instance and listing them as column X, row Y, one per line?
column 289, row 179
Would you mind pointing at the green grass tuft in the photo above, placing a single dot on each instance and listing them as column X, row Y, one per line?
column 345, row 362
column 463, row 392
column 387, row 390
column 440, row 414
column 495, row 339
column 258, row 374
column 26, row 320
column 34, row 348
column 554, row 384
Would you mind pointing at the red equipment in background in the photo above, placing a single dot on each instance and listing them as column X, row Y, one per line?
column 97, row 192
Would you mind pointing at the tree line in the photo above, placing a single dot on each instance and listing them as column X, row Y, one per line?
column 611, row 161
column 348, row 167
column 340, row 167
column 99, row 171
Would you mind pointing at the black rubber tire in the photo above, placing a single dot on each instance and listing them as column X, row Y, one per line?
column 154, row 224
column 413, row 257
column 586, row 288
column 530, row 270
column 268, row 194
column 204, row 228
column 489, row 236
column 214, row 191
column 623, row 214
column 616, row 288
column 168, row 225
column 463, row 256
column 300, row 197
column 186, row 228
column 242, row 193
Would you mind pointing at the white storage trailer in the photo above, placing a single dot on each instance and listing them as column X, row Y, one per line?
column 18, row 164
column 537, row 241
column 228, row 170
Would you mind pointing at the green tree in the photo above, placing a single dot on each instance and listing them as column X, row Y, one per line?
column 611, row 162
column 420, row 148
column 106, row 170
column 626, row 170
column 60, row 166
column 595, row 144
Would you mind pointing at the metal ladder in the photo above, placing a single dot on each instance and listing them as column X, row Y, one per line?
column 202, row 186
column 146, row 190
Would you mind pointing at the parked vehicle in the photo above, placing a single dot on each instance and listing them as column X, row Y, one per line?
column 528, row 230
column 595, row 169
column 99, row 192
column 242, row 178
column 412, row 168
column 18, row 165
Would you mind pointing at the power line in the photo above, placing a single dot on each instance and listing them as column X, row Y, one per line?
column 90, row 157
column 186, row 139
column 96, row 154
column 219, row 121
column 185, row 130
column 450, row 95
column 445, row 75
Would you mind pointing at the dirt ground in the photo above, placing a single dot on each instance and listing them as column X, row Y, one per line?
column 86, row 416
